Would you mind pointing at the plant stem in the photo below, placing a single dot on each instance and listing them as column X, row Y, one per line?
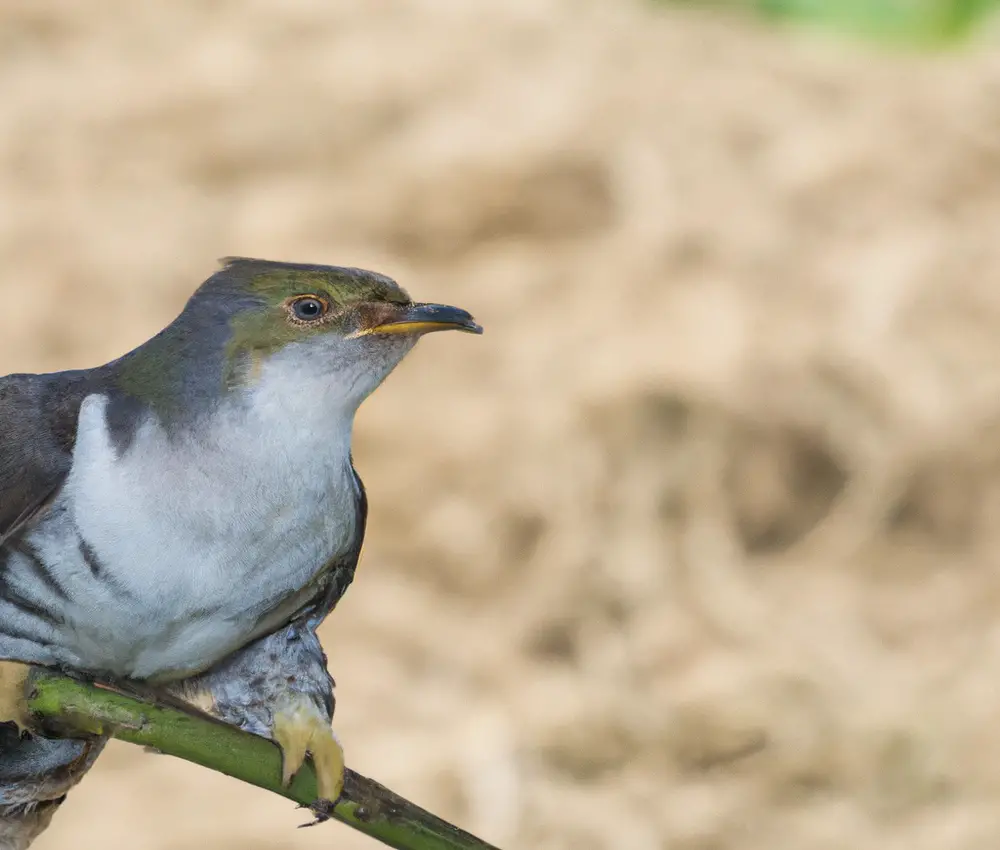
column 71, row 708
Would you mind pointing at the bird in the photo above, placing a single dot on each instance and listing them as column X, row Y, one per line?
column 197, row 495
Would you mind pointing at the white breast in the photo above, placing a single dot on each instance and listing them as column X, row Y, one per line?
column 198, row 534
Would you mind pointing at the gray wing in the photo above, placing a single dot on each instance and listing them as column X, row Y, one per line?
column 38, row 416
column 38, row 422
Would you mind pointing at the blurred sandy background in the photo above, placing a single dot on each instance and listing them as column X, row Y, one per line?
column 697, row 547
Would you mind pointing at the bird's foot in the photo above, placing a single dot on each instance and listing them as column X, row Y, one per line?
column 13, row 699
column 300, row 727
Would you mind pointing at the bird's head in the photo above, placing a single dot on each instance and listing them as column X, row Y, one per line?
column 304, row 328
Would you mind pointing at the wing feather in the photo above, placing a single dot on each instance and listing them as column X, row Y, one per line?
column 38, row 415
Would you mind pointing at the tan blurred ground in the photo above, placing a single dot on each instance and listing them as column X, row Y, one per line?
column 697, row 547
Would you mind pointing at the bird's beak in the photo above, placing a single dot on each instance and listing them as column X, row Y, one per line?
column 423, row 319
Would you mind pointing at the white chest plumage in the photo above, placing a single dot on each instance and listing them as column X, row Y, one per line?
column 185, row 546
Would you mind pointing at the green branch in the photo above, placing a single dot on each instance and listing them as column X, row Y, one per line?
column 70, row 708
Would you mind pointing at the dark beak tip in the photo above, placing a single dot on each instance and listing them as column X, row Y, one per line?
column 458, row 318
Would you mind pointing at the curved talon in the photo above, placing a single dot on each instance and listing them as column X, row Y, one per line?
column 300, row 728
column 322, row 812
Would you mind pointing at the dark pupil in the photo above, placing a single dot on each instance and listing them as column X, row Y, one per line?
column 308, row 308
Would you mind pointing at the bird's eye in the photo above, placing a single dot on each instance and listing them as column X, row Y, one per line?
column 308, row 308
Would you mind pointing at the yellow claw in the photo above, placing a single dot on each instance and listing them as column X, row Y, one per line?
column 299, row 728
column 13, row 702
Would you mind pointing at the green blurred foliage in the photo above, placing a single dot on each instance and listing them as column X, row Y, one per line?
column 930, row 23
